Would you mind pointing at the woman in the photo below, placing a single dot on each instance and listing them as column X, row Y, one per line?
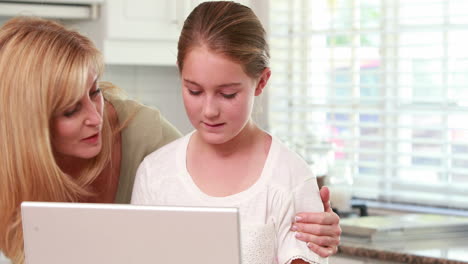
column 63, row 137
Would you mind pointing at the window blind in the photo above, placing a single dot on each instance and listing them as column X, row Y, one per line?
column 383, row 84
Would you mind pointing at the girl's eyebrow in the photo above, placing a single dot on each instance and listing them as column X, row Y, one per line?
column 192, row 82
column 220, row 86
column 229, row 84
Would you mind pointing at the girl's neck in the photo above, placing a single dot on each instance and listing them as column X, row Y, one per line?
column 221, row 170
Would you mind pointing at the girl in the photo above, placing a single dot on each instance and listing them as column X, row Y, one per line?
column 228, row 160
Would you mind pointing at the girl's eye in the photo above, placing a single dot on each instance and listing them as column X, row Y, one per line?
column 192, row 92
column 229, row 96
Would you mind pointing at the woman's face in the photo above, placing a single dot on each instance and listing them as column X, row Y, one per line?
column 218, row 95
column 76, row 133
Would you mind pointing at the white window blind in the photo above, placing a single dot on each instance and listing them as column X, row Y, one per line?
column 382, row 82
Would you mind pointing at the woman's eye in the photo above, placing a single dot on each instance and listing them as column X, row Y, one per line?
column 72, row 111
column 95, row 92
column 229, row 96
column 69, row 113
column 192, row 92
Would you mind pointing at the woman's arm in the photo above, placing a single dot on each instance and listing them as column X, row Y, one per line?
column 321, row 231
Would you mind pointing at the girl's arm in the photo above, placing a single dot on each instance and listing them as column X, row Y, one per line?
column 305, row 197
column 321, row 231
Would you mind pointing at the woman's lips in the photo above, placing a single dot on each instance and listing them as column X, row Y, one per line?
column 92, row 139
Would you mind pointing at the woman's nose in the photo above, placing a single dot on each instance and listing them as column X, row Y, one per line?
column 93, row 115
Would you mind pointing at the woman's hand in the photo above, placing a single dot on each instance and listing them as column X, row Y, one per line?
column 321, row 231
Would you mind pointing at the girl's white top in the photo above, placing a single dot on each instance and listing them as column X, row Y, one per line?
column 267, row 209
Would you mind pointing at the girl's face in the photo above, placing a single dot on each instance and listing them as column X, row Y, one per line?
column 76, row 133
column 218, row 95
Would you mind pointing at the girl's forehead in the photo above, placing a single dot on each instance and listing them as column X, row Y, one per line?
column 203, row 60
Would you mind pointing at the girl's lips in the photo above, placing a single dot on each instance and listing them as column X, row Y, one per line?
column 214, row 125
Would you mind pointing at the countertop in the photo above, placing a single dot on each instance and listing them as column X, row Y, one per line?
column 433, row 251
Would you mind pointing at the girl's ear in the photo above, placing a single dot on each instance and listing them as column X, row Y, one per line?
column 262, row 81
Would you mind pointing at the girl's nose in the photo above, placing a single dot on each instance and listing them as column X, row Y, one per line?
column 210, row 108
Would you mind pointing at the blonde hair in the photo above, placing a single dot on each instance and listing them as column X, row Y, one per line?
column 43, row 70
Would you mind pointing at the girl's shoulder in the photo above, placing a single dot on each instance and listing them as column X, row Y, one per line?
column 288, row 168
column 289, row 155
column 173, row 148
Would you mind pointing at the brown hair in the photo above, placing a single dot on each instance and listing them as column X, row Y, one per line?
column 43, row 70
column 226, row 28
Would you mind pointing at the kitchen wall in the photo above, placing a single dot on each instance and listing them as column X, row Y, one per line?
column 156, row 86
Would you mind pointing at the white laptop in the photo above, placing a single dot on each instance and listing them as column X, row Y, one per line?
column 58, row 233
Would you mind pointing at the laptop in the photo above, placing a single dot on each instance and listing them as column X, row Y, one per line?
column 58, row 233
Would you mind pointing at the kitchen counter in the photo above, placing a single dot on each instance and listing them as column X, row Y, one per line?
column 443, row 251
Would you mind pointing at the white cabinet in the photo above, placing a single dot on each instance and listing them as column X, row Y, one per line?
column 143, row 19
column 140, row 32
